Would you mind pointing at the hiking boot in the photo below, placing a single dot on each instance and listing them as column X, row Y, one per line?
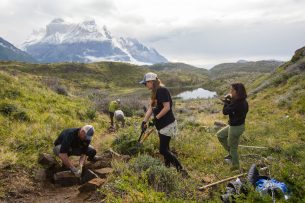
column 228, row 161
column 184, row 173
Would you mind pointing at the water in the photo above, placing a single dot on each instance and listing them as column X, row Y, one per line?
column 199, row 93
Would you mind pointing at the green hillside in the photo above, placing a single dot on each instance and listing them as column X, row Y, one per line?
column 38, row 101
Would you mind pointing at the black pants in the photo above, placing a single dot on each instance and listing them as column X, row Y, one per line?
column 169, row 157
column 78, row 152
column 91, row 152
column 111, row 115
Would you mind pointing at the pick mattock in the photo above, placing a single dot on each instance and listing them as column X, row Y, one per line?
column 144, row 135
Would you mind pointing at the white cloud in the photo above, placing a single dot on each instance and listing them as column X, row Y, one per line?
column 195, row 31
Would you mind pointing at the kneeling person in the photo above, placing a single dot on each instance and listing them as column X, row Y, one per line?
column 75, row 141
column 119, row 117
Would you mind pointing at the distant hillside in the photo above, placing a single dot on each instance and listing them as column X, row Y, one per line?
column 175, row 67
column 9, row 52
column 264, row 66
column 105, row 75
column 290, row 75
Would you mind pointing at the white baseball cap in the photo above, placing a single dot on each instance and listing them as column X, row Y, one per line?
column 148, row 77
column 89, row 130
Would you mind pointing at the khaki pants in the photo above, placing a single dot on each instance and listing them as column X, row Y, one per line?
column 229, row 139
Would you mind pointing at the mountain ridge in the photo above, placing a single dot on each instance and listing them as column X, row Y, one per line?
column 63, row 41
column 8, row 52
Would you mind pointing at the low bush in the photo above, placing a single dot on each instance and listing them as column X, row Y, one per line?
column 14, row 112
column 144, row 162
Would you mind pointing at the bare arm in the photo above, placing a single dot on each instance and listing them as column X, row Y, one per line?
column 148, row 114
column 166, row 108
column 82, row 160
column 65, row 159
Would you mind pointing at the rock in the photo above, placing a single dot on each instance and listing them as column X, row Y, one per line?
column 103, row 172
column 66, row 178
column 47, row 160
column 40, row 175
column 213, row 111
column 125, row 157
column 219, row 124
column 87, row 175
column 207, row 179
column 99, row 164
column 92, row 185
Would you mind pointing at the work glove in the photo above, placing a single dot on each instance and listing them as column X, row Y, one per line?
column 80, row 168
column 143, row 126
column 76, row 172
column 152, row 122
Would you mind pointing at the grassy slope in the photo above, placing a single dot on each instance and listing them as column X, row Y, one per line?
column 275, row 120
column 271, row 122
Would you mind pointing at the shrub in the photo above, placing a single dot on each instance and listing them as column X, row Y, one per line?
column 162, row 179
column 7, row 109
column 13, row 111
column 11, row 94
column 126, row 144
column 61, row 90
column 91, row 113
column 144, row 162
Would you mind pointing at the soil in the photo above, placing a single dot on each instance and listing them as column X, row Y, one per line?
column 20, row 186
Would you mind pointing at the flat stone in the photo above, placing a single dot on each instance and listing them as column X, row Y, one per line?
column 47, row 160
column 99, row 164
column 40, row 175
column 207, row 179
column 87, row 175
column 66, row 178
column 103, row 172
column 92, row 185
column 219, row 124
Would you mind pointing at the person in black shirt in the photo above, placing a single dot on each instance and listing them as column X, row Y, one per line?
column 75, row 141
column 236, row 106
column 164, row 120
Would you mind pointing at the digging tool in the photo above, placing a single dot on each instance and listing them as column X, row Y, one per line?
column 221, row 181
column 146, row 134
column 252, row 147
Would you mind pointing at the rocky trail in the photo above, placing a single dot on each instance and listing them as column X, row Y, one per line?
column 53, row 183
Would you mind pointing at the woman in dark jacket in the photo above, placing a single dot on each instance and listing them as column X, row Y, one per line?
column 236, row 106
column 164, row 120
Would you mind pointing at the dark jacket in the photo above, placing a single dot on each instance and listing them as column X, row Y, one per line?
column 237, row 111
column 163, row 95
column 69, row 140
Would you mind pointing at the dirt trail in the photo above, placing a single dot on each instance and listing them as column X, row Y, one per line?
column 23, row 186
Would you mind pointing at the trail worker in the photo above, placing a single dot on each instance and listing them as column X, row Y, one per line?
column 75, row 141
column 113, row 106
column 236, row 106
column 164, row 120
column 119, row 118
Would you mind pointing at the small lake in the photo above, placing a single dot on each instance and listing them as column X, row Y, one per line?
column 199, row 93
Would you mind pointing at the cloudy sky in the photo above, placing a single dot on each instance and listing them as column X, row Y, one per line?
column 198, row 32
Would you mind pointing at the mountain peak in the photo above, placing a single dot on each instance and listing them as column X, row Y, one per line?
column 57, row 20
column 85, row 42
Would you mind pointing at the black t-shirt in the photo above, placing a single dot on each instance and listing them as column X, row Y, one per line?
column 163, row 95
column 237, row 111
column 69, row 139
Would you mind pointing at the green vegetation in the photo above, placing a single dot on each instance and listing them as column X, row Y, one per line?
column 38, row 101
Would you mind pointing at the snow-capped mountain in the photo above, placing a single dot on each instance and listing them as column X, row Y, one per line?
column 9, row 52
column 85, row 42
